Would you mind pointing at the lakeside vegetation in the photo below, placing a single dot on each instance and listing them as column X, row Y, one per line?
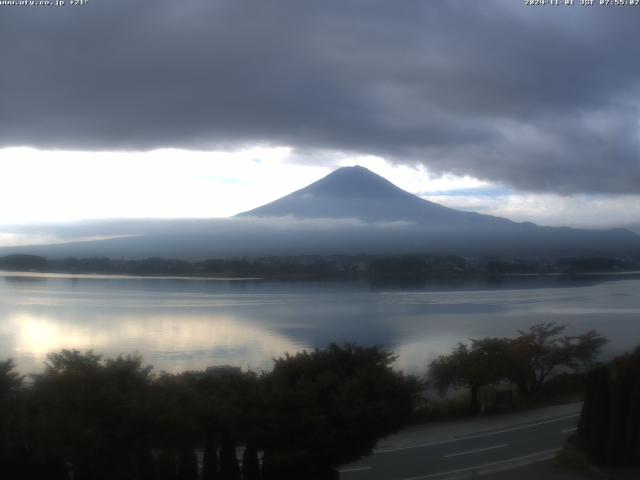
column 111, row 418
column 544, row 365
column 609, row 429
column 369, row 267
column 538, row 364
column 97, row 418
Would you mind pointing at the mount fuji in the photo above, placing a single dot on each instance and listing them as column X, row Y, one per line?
column 350, row 211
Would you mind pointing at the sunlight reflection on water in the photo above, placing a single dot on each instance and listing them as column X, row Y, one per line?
column 182, row 324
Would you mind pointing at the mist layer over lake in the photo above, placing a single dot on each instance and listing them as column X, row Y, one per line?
column 179, row 324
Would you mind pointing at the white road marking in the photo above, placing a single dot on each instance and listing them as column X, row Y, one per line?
column 477, row 450
column 517, row 461
column 567, row 430
column 480, row 435
column 354, row 469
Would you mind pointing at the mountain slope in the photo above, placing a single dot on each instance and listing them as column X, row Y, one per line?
column 350, row 211
column 355, row 192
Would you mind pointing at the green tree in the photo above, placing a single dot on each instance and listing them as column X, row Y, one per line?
column 11, row 410
column 107, row 417
column 528, row 360
column 330, row 406
column 543, row 349
column 473, row 366
column 609, row 427
column 93, row 412
column 10, row 380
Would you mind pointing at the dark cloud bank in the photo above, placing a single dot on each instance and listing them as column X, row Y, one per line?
column 543, row 99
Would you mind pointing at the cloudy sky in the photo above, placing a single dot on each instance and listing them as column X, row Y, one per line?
column 206, row 108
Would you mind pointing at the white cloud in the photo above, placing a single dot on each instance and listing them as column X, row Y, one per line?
column 15, row 239
column 586, row 211
column 62, row 186
column 39, row 186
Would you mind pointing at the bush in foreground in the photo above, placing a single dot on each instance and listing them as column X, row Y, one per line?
column 100, row 418
column 609, row 428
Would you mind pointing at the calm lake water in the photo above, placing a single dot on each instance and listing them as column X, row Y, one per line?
column 179, row 324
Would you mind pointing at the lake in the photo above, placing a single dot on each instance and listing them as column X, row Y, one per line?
column 178, row 324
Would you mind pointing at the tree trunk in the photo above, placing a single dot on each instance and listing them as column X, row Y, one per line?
column 475, row 407
column 250, row 464
column 210, row 460
column 229, row 468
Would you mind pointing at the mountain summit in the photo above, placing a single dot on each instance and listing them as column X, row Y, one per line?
column 350, row 211
column 355, row 192
column 358, row 193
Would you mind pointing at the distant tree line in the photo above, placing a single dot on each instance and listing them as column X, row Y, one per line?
column 528, row 361
column 374, row 267
column 86, row 417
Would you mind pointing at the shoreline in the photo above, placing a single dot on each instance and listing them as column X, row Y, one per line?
column 297, row 277
column 117, row 276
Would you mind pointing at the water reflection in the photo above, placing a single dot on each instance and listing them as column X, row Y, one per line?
column 181, row 324
column 169, row 342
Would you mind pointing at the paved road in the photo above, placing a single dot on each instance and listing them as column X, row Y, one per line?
column 508, row 444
